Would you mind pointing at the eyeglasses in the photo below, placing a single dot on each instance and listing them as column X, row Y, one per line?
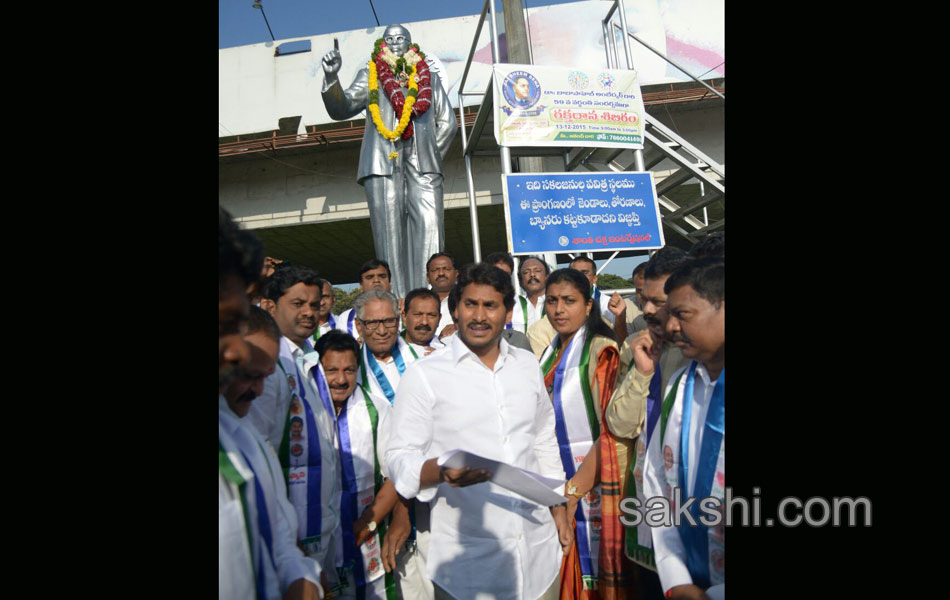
column 395, row 39
column 375, row 323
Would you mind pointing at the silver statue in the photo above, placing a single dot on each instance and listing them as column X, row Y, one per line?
column 405, row 193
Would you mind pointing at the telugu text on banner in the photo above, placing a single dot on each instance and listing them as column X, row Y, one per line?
column 567, row 106
column 581, row 212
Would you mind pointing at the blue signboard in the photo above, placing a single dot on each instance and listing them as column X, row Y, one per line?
column 581, row 212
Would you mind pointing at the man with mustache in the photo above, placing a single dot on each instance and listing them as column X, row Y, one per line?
column 483, row 396
column 282, row 570
column 247, row 565
column 690, row 559
column 310, row 464
column 421, row 317
column 529, row 308
column 648, row 358
column 240, row 257
column 441, row 271
column 374, row 275
column 367, row 496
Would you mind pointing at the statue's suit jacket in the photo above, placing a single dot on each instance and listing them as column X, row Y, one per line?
column 433, row 131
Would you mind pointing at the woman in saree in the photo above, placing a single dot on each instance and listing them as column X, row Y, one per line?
column 580, row 369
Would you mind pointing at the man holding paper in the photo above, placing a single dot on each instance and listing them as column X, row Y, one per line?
column 487, row 398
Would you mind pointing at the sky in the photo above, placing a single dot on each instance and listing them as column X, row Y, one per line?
column 240, row 24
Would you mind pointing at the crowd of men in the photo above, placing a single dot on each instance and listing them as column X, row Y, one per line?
column 331, row 426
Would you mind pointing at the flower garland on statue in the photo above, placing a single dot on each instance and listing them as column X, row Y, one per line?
column 395, row 73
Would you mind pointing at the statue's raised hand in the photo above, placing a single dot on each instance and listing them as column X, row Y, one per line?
column 332, row 62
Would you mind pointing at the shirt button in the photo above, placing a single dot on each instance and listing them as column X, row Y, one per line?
column 506, row 438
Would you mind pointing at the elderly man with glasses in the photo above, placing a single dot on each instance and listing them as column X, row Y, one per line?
column 385, row 354
column 383, row 360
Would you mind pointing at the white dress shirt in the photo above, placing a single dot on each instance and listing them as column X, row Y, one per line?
column 668, row 547
column 239, row 439
column 535, row 313
column 390, row 370
column 486, row 542
column 445, row 318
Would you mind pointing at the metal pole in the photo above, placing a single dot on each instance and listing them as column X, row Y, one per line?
column 604, row 266
column 471, row 52
column 638, row 160
column 495, row 53
column 626, row 43
column 693, row 77
column 613, row 50
column 506, row 160
column 268, row 24
column 606, row 46
column 473, row 211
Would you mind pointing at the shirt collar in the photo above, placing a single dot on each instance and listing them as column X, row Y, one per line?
column 703, row 373
column 460, row 351
column 540, row 301
column 293, row 350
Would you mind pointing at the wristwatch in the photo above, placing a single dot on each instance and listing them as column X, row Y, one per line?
column 371, row 526
column 572, row 489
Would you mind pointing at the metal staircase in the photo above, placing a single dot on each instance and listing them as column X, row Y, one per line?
column 685, row 214
column 681, row 204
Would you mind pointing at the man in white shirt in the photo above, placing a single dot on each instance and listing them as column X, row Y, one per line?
column 690, row 559
column 367, row 496
column 647, row 360
column 442, row 272
column 326, row 320
column 307, row 449
column 485, row 397
column 292, row 297
column 383, row 361
column 247, row 565
column 281, row 569
column 385, row 354
column 240, row 256
column 423, row 311
column 374, row 275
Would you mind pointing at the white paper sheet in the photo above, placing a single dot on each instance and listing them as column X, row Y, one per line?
column 537, row 488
